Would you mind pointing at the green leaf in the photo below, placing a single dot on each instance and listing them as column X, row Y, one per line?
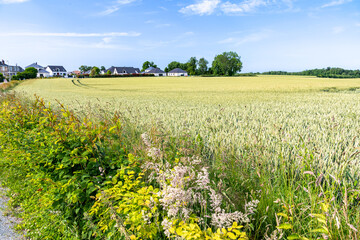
column 285, row 226
column 294, row 237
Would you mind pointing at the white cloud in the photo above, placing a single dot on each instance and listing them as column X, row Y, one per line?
column 203, row 7
column 244, row 7
column 39, row 34
column 208, row 7
column 335, row 3
column 12, row 1
column 115, row 7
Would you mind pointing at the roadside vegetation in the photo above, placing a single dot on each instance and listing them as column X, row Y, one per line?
column 238, row 158
column 322, row 73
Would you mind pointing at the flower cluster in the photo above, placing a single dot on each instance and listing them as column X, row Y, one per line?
column 186, row 191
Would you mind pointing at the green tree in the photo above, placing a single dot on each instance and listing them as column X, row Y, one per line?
column 1, row 77
column 108, row 72
column 174, row 65
column 27, row 74
column 227, row 63
column 192, row 66
column 102, row 68
column 85, row 68
column 203, row 66
column 94, row 71
column 148, row 64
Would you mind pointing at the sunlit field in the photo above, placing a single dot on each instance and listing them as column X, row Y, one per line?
column 271, row 127
column 227, row 112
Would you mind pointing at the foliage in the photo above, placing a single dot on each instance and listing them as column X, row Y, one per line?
column 269, row 138
column 109, row 75
column 323, row 73
column 203, row 66
column 74, row 179
column 95, row 71
column 174, row 65
column 227, row 63
column 84, row 68
column 148, row 64
column 29, row 73
column 1, row 77
column 192, row 65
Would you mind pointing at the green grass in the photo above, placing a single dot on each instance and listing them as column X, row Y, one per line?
column 260, row 135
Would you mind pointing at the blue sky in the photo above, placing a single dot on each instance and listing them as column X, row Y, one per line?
column 289, row 35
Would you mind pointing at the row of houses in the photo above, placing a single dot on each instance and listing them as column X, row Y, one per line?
column 60, row 71
column 8, row 70
column 177, row 72
column 49, row 71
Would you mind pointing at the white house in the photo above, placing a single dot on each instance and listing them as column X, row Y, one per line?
column 123, row 70
column 41, row 70
column 177, row 72
column 148, row 69
column 157, row 72
column 55, row 71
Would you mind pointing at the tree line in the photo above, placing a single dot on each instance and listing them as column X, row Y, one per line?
column 324, row 72
column 225, row 64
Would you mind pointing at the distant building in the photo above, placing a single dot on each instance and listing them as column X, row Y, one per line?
column 8, row 70
column 123, row 70
column 177, row 72
column 55, row 71
column 149, row 69
column 42, row 73
column 157, row 72
column 76, row 72
column 41, row 70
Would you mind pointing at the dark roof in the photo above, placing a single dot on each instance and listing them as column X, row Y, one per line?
column 43, row 71
column 177, row 70
column 2, row 63
column 34, row 65
column 156, row 70
column 53, row 68
column 128, row 70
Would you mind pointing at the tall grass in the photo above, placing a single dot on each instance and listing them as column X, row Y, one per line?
column 284, row 141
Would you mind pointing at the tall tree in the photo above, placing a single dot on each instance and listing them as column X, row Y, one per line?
column 94, row 71
column 192, row 66
column 227, row 63
column 84, row 68
column 148, row 64
column 102, row 68
column 203, row 66
column 175, row 64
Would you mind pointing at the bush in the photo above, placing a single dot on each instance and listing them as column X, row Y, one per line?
column 75, row 179
column 29, row 73
column 2, row 78
column 115, row 76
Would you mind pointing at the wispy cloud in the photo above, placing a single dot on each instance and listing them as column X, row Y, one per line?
column 12, row 1
column 115, row 7
column 208, row 7
column 42, row 34
column 335, row 3
column 244, row 7
column 203, row 7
